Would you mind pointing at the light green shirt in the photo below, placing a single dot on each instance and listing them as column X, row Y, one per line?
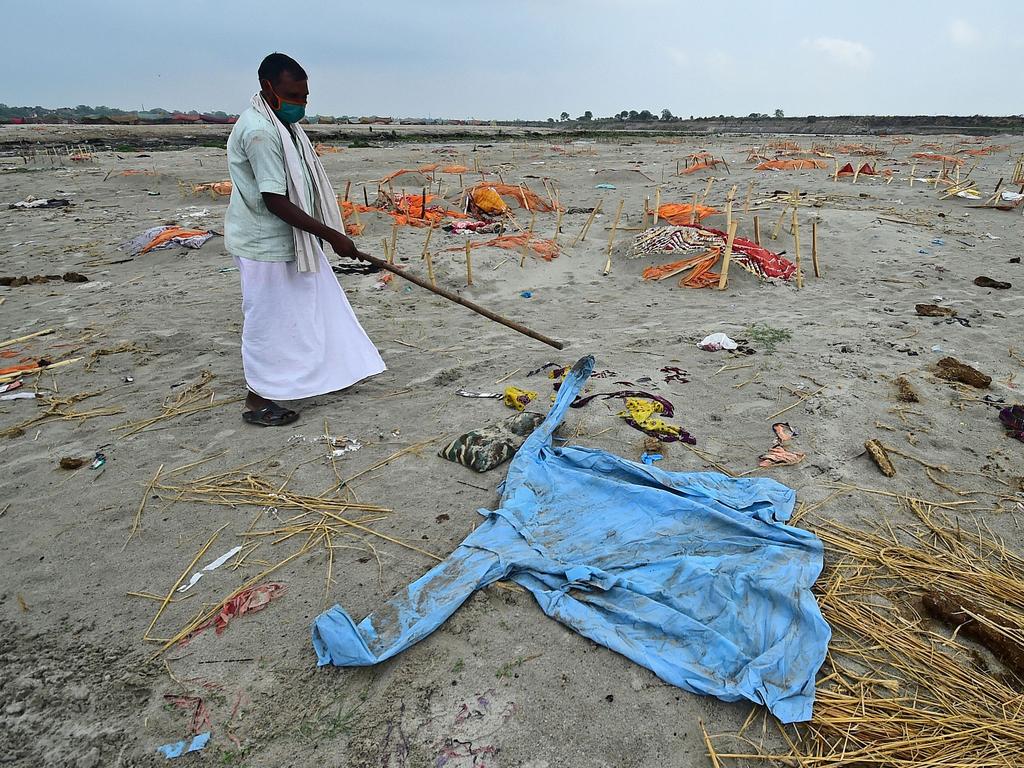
column 256, row 165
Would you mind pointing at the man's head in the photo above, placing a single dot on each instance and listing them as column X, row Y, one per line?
column 283, row 83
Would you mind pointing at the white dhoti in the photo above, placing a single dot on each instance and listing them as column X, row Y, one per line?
column 300, row 337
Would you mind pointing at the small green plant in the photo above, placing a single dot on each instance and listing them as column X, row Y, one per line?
column 458, row 666
column 767, row 337
column 339, row 723
column 360, row 144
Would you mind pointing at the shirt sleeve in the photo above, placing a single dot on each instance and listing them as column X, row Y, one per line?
column 266, row 157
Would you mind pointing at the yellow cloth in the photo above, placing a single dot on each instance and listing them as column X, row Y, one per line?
column 642, row 412
column 518, row 398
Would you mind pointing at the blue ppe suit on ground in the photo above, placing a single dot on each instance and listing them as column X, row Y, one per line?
column 693, row 575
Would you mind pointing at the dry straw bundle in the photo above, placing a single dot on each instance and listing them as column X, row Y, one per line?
column 897, row 689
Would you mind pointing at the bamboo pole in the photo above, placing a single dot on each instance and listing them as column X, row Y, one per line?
column 757, row 229
column 586, row 226
column 723, row 279
column 611, row 236
column 728, row 207
column 526, row 245
column 694, row 216
column 469, row 263
column 384, row 247
column 657, row 206
column 464, row 302
column 426, row 244
column 430, row 269
column 20, row 339
column 746, row 203
column 778, row 224
column 394, row 241
column 348, row 185
column 814, row 248
column 707, row 190
column 796, row 247
column 558, row 225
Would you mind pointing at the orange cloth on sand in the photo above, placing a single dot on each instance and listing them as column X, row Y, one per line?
column 546, row 249
column 682, row 213
column 701, row 166
column 790, row 165
column 409, row 212
column 455, row 169
column 169, row 234
column 664, row 271
column 217, row 187
column 938, row 158
column 523, row 195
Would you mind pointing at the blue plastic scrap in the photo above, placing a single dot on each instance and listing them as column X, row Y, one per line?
column 694, row 575
column 179, row 748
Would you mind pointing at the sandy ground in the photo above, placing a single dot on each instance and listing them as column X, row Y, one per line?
column 500, row 684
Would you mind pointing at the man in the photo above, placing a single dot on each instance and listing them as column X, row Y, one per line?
column 300, row 337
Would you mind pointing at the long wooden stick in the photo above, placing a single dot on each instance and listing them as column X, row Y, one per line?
column 611, row 236
column 757, row 229
column 814, row 248
column 464, row 302
column 469, row 262
column 723, row 279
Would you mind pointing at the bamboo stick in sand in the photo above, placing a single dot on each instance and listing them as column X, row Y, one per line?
column 723, row 279
column 611, row 236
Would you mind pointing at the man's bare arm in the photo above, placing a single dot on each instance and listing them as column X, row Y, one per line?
column 291, row 214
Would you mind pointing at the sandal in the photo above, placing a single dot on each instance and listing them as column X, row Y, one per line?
column 1013, row 419
column 272, row 415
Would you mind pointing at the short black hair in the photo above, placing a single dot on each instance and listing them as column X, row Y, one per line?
column 272, row 67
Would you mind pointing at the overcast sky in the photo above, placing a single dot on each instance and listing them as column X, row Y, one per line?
column 527, row 58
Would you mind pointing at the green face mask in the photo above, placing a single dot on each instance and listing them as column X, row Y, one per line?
column 287, row 112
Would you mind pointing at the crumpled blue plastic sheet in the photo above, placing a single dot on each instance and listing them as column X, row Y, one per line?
column 692, row 575
column 179, row 748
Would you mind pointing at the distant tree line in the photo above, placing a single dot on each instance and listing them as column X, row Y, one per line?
column 83, row 110
column 646, row 116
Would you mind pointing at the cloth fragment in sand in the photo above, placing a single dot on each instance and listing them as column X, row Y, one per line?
column 158, row 238
column 209, row 567
column 518, row 398
column 248, row 600
column 521, row 194
column 790, row 165
column 747, row 254
column 694, row 575
column 222, row 188
column 179, row 748
column 488, row 447
column 682, row 213
column 546, row 249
